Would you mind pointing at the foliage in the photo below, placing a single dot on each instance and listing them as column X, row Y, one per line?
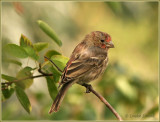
column 25, row 72
column 49, row 31
column 23, row 99
column 24, row 78
column 16, row 51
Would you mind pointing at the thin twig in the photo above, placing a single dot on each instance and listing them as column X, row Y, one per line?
column 29, row 77
column 89, row 88
column 25, row 78
column 53, row 64
column 40, row 71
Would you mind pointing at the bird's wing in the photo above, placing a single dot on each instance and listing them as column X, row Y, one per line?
column 80, row 65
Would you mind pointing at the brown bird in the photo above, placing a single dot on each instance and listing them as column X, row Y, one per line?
column 87, row 62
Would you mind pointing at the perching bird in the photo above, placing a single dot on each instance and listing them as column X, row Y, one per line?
column 87, row 62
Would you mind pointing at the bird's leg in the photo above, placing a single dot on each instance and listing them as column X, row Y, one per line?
column 88, row 87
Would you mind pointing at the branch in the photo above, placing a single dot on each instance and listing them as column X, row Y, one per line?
column 89, row 89
column 26, row 78
column 40, row 71
column 53, row 64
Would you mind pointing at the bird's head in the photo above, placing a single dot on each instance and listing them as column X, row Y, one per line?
column 101, row 39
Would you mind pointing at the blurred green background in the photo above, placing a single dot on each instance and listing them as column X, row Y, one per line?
column 130, row 83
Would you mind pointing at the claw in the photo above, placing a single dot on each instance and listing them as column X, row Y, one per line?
column 88, row 87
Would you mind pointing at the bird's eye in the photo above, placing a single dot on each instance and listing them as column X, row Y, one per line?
column 102, row 40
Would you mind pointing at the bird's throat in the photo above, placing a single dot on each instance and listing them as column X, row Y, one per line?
column 103, row 46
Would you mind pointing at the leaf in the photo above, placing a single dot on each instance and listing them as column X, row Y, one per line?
column 8, row 78
column 49, row 31
column 40, row 46
column 32, row 53
column 16, row 51
column 13, row 61
column 56, row 74
column 50, row 53
column 24, row 41
column 51, row 87
column 23, row 99
column 126, row 89
column 23, row 73
column 48, row 67
column 60, row 61
column 28, row 47
column 6, row 93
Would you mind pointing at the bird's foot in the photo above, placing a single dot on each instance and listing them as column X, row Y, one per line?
column 88, row 87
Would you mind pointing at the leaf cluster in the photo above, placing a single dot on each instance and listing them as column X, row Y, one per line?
column 24, row 78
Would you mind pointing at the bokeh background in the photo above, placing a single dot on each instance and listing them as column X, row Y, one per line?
column 130, row 83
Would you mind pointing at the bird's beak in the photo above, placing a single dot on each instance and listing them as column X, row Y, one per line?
column 110, row 44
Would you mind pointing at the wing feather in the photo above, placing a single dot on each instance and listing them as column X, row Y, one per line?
column 77, row 71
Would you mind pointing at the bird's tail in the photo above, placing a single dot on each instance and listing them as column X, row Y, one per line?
column 57, row 102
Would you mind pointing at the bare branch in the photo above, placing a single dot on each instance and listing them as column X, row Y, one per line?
column 29, row 77
column 40, row 71
column 89, row 89
column 53, row 64
column 25, row 78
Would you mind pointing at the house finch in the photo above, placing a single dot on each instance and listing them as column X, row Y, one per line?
column 87, row 62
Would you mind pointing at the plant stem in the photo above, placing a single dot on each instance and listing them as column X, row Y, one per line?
column 53, row 64
column 30, row 77
column 25, row 78
column 89, row 89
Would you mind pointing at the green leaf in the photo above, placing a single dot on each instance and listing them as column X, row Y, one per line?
column 40, row 46
column 8, row 78
column 49, row 31
column 24, row 41
column 56, row 74
column 32, row 53
column 48, row 67
column 60, row 61
column 28, row 47
column 23, row 73
column 13, row 61
column 6, row 93
column 16, row 51
column 51, row 87
column 50, row 53
column 126, row 89
column 23, row 99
